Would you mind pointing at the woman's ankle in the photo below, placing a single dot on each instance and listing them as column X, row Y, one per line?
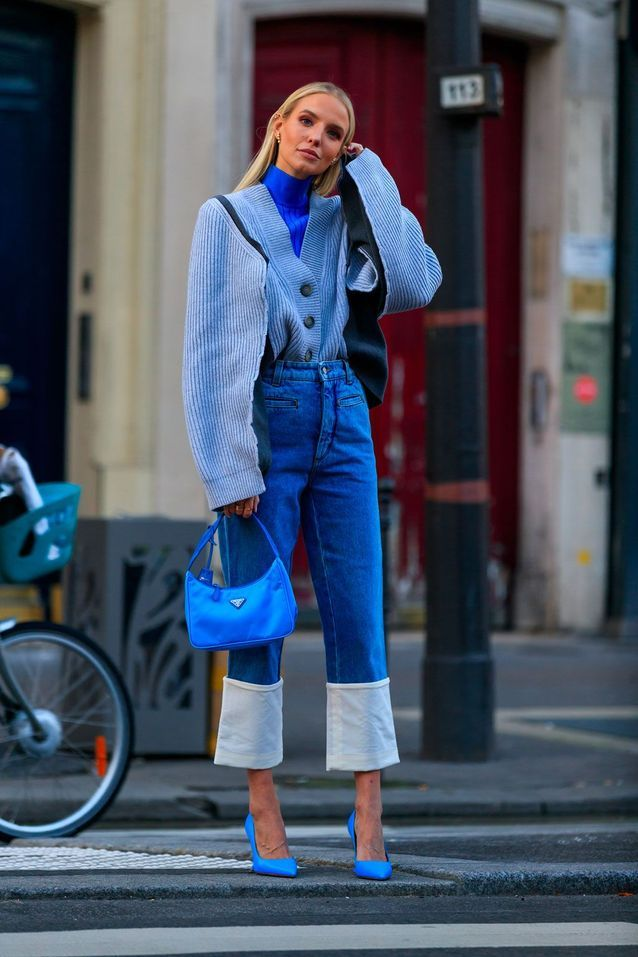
column 262, row 793
column 265, row 809
column 270, row 829
column 367, row 801
column 368, row 808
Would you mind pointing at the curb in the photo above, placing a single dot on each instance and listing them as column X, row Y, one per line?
column 138, row 886
column 312, row 805
column 524, row 879
column 405, row 882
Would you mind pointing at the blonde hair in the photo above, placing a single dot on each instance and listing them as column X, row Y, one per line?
column 325, row 183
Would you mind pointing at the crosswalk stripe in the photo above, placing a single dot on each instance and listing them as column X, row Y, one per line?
column 150, row 941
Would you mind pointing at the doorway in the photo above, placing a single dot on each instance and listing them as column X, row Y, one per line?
column 36, row 73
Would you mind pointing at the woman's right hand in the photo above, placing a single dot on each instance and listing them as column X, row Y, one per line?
column 244, row 507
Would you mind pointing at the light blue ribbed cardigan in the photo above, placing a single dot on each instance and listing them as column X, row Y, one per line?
column 234, row 299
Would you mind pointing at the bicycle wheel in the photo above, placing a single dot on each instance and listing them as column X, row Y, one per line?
column 59, row 784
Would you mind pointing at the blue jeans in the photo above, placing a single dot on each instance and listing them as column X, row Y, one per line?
column 323, row 476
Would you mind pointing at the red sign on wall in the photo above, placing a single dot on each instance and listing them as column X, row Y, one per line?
column 585, row 389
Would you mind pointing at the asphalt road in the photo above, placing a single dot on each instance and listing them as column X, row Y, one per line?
column 561, row 926
column 128, row 900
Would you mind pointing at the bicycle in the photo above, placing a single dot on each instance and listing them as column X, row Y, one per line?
column 66, row 721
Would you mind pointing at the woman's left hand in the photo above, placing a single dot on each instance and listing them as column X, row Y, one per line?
column 354, row 149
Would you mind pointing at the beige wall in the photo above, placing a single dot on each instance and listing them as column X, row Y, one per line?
column 588, row 211
column 189, row 135
column 536, row 585
column 85, row 218
column 569, row 189
column 142, row 155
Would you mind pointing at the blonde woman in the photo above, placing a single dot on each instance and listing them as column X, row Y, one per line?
column 284, row 357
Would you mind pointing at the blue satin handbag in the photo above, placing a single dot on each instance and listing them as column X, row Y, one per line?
column 222, row 618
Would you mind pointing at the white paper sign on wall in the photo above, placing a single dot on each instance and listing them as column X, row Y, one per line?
column 587, row 257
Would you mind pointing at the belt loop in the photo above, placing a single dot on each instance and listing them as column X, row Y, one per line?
column 279, row 371
column 348, row 371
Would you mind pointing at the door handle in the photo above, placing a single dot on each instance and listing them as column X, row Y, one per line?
column 84, row 356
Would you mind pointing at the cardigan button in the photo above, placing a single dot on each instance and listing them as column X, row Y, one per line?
column 306, row 289
column 308, row 355
column 309, row 322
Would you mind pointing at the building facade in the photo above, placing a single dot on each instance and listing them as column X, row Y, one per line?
column 159, row 101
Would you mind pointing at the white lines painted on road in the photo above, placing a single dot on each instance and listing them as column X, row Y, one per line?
column 47, row 858
column 153, row 941
column 525, row 723
column 609, row 711
column 615, row 712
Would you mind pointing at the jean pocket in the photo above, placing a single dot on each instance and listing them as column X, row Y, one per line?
column 280, row 403
column 347, row 400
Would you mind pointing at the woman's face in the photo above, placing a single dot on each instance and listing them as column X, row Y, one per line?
column 312, row 135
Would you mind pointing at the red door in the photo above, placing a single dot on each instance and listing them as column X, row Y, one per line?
column 381, row 65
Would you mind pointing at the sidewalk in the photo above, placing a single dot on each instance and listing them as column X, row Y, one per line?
column 566, row 744
column 428, row 861
column 552, row 812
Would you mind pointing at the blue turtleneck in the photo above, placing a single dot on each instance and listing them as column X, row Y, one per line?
column 292, row 199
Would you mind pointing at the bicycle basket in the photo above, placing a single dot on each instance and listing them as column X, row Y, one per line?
column 26, row 554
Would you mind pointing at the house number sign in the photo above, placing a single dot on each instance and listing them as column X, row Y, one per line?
column 475, row 88
column 462, row 91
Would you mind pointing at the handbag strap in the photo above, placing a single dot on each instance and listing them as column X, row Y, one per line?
column 239, row 223
column 209, row 537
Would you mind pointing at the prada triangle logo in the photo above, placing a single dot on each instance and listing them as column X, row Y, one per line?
column 237, row 602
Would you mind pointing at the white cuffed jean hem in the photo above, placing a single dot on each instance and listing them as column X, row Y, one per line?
column 360, row 726
column 250, row 733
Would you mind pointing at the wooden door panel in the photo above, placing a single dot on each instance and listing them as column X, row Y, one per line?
column 503, row 150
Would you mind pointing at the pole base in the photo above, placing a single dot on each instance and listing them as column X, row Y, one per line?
column 624, row 629
column 458, row 706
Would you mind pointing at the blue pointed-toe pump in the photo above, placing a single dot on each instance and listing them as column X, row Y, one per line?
column 272, row 866
column 374, row 870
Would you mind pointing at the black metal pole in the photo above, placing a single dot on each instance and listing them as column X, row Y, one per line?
column 457, row 679
column 386, row 491
column 623, row 558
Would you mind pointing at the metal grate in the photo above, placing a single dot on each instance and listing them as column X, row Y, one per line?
column 90, row 858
